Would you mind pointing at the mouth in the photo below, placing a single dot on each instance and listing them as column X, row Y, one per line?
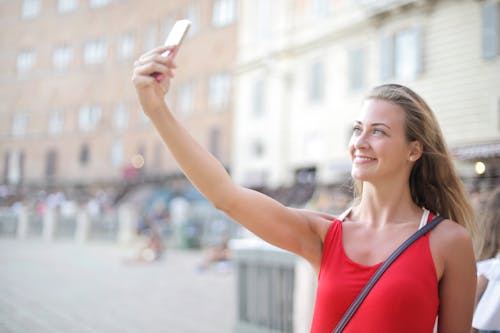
column 360, row 158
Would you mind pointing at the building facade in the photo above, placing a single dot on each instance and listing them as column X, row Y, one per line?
column 68, row 112
column 304, row 66
column 270, row 87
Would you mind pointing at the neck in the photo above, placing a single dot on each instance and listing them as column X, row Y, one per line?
column 382, row 205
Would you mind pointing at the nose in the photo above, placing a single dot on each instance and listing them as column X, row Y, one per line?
column 360, row 141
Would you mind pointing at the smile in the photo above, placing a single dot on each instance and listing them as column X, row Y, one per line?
column 363, row 159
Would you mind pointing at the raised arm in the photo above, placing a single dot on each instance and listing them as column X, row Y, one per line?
column 295, row 230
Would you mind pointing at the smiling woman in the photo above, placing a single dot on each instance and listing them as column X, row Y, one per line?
column 404, row 177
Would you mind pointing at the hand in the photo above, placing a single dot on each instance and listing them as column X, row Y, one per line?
column 151, row 77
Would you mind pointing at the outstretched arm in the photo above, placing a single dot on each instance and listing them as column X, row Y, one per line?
column 298, row 231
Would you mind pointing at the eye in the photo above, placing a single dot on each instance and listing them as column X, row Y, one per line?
column 356, row 129
column 378, row 131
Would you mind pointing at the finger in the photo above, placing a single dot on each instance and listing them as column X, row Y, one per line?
column 142, row 80
column 167, row 61
column 158, row 50
column 150, row 68
column 162, row 76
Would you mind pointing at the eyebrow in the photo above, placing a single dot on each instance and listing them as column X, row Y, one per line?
column 374, row 124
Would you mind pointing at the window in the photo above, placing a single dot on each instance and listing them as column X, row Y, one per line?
column 317, row 82
column 51, row 163
column 168, row 24
column 259, row 97
column 88, row 118
column 126, row 46
column 406, row 54
column 61, row 57
column 320, row 8
column 117, row 154
column 193, row 14
column 143, row 119
column 56, row 122
column 402, row 55
column 25, row 61
column 31, row 8
column 159, row 152
column 98, row 3
column 263, row 18
column 356, row 68
column 214, row 141
column 498, row 115
column 84, row 154
column 305, row 175
column 223, row 12
column 15, row 167
column 19, row 124
column 95, row 52
column 120, row 117
column 151, row 38
column 257, row 149
column 6, row 167
column 65, row 6
column 185, row 98
column 218, row 91
column 490, row 30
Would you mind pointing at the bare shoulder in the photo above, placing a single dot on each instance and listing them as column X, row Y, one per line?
column 318, row 221
column 450, row 244
column 449, row 233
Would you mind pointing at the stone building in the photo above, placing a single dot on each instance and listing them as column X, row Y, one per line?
column 69, row 115
column 303, row 67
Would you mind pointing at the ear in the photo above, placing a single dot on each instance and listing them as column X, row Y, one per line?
column 415, row 151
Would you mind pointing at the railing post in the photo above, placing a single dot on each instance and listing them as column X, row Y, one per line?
column 22, row 223
column 82, row 226
column 304, row 296
column 127, row 221
column 49, row 224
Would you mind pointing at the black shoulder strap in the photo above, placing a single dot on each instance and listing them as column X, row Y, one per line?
column 364, row 292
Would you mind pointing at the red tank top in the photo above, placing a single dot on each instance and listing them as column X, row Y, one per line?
column 405, row 299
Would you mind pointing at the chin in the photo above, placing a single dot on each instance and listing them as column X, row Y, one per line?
column 361, row 176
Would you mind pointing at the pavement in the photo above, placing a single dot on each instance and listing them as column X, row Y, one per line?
column 66, row 287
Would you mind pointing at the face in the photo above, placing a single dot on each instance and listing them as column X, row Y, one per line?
column 378, row 146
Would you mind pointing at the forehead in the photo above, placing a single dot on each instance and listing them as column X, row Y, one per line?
column 381, row 111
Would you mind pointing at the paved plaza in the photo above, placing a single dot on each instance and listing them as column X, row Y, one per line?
column 90, row 288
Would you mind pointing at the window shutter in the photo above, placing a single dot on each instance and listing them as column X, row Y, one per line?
column 419, row 49
column 489, row 30
column 386, row 57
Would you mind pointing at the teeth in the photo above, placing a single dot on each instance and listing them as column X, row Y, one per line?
column 366, row 158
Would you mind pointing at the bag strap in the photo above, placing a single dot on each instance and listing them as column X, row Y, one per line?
column 366, row 289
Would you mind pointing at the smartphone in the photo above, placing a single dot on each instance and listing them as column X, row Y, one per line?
column 176, row 36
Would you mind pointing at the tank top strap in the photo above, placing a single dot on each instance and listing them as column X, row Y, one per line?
column 342, row 216
column 425, row 219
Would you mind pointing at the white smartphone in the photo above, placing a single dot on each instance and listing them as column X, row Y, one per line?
column 176, row 36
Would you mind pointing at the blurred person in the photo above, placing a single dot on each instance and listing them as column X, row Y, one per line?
column 487, row 313
column 151, row 225
column 403, row 176
column 218, row 255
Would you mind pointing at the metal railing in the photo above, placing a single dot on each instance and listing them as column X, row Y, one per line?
column 265, row 289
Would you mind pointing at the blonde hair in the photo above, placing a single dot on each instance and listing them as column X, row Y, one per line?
column 488, row 244
column 434, row 183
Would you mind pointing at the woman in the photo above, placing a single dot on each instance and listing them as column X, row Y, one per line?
column 400, row 163
column 487, row 313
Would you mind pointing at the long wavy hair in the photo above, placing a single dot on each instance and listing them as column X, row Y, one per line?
column 488, row 244
column 434, row 183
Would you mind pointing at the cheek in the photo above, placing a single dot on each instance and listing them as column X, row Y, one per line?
column 351, row 147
